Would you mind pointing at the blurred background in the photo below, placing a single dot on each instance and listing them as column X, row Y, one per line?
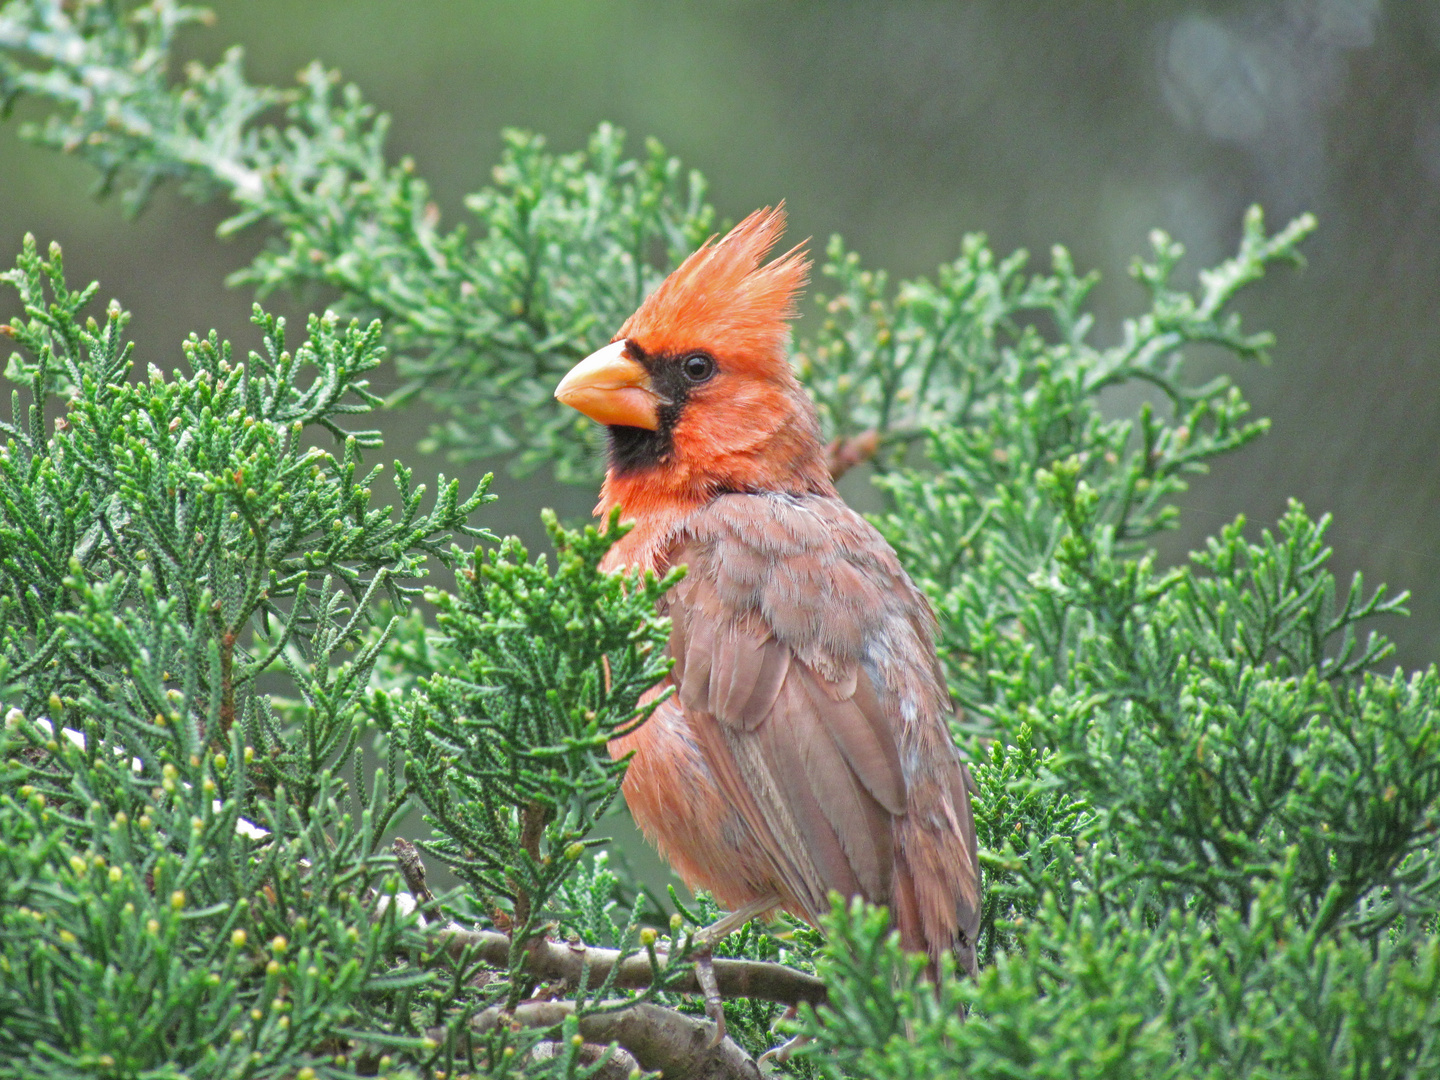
column 903, row 126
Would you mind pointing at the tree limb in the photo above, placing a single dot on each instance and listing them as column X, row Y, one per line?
column 562, row 962
column 657, row 1037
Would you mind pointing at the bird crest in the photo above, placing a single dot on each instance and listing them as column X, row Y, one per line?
column 723, row 301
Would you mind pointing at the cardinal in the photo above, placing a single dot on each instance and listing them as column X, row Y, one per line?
column 805, row 746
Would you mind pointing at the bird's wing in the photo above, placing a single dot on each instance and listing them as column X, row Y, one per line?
column 804, row 664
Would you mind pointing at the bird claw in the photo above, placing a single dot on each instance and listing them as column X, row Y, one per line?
column 710, row 936
column 714, row 1006
column 781, row 1054
column 703, row 943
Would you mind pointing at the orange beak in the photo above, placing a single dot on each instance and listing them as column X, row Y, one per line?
column 611, row 388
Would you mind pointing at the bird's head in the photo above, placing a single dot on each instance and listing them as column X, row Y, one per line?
column 696, row 388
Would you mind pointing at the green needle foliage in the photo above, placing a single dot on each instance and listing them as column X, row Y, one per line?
column 566, row 246
column 1208, row 813
column 188, row 882
column 507, row 749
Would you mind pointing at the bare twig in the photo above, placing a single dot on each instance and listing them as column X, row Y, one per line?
column 659, row 1038
column 842, row 455
column 559, row 962
column 227, row 684
column 407, row 855
column 533, row 820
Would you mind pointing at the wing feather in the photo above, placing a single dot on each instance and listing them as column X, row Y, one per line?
column 864, row 740
column 805, row 671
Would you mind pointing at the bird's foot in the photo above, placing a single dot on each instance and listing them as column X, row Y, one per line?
column 781, row 1054
column 714, row 1005
column 710, row 936
column 703, row 946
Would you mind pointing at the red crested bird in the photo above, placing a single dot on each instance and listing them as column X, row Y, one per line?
column 806, row 746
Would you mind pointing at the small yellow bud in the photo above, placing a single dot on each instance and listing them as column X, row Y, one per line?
column 647, row 936
column 152, row 926
column 177, row 899
column 279, row 945
column 238, row 938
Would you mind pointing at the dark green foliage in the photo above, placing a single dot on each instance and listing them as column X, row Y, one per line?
column 158, row 521
column 165, row 545
column 506, row 750
column 977, row 527
column 1028, row 826
column 1104, row 991
column 1243, row 721
column 155, row 937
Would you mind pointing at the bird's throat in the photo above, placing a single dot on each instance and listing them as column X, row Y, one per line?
column 635, row 450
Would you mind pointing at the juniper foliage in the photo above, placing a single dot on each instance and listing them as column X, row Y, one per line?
column 507, row 748
column 190, row 882
column 1208, row 812
column 566, row 245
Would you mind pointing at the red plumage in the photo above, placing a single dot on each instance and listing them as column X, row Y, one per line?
column 806, row 747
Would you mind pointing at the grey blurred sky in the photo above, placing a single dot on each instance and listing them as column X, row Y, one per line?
column 904, row 126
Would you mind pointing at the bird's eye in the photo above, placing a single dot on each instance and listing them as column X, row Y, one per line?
column 697, row 367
